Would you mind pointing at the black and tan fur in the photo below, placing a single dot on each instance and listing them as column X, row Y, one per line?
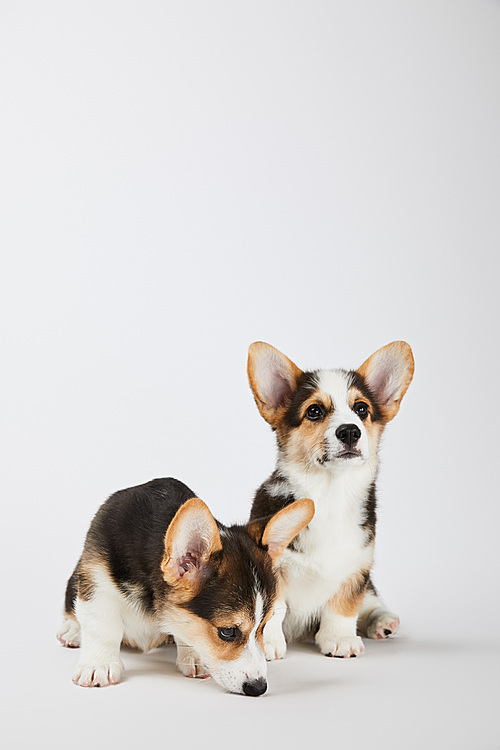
column 156, row 564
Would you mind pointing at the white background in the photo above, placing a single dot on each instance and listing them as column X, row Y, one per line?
column 179, row 180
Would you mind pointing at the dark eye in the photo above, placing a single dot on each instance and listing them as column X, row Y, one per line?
column 227, row 634
column 361, row 409
column 314, row 412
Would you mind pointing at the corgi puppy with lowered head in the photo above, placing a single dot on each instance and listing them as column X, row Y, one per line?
column 328, row 425
column 156, row 564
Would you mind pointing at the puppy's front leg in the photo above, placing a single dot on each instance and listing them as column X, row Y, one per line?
column 101, row 637
column 274, row 640
column 189, row 662
column 337, row 632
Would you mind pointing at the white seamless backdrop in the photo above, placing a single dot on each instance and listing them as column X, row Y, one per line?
column 177, row 181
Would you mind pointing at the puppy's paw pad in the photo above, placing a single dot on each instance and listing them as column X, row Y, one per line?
column 98, row 675
column 383, row 626
column 343, row 648
column 69, row 634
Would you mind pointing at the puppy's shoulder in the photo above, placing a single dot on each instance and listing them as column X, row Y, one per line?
column 273, row 495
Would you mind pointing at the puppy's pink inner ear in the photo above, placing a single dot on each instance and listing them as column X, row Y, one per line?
column 277, row 377
column 383, row 383
column 389, row 379
column 278, row 390
column 191, row 560
column 388, row 373
column 189, row 541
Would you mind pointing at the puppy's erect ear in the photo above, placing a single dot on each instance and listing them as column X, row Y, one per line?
column 189, row 541
column 278, row 532
column 388, row 374
column 273, row 379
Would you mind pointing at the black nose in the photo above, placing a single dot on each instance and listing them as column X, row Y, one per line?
column 256, row 687
column 348, row 434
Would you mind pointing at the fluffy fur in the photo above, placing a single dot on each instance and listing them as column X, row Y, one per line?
column 328, row 425
column 156, row 564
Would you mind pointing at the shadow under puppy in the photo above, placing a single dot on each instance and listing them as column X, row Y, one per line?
column 156, row 563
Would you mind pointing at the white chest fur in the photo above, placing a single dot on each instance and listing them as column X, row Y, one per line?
column 332, row 548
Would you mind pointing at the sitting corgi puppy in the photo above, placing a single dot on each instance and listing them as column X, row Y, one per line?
column 328, row 425
column 156, row 564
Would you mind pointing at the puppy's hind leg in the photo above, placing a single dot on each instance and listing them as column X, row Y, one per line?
column 100, row 617
column 69, row 632
column 375, row 620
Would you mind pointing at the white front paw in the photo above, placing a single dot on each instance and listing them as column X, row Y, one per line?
column 383, row 625
column 274, row 641
column 69, row 633
column 275, row 648
column 341, row 647
column 189, row 663
column 98, row 675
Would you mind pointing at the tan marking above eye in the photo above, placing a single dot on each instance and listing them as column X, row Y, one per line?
column 238, row 620
column 323, row 400
column 355, row 397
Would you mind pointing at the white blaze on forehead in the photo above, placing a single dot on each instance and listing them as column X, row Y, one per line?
column 259, row 610
column 336, row 384
column 259, row 598
column 252, row 648
column 252, row 645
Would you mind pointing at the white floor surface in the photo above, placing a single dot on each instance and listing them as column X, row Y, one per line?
column 418, row 690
